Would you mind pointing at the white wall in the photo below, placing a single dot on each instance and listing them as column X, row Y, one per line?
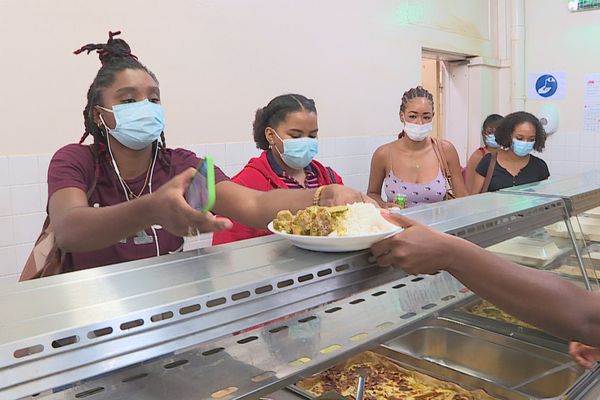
column 558, row 40
column 217, row 62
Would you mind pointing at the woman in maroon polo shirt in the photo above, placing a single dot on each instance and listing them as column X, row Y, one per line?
column 286, row 129
column 122, row 198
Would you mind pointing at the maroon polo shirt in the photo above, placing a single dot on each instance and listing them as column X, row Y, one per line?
column 73, row 166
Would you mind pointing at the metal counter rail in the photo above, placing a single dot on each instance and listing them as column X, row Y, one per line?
column 258, row 362
column 580, row 192
column 64, row 329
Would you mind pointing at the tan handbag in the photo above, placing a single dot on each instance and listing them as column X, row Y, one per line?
column 46, row 258
column 441, row 156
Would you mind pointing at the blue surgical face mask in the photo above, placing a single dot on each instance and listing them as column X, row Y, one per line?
column 490, row 141
column 521, row 147
column 138, row 124
column 298, row 153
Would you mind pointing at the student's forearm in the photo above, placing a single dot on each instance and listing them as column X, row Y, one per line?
column 88, row 228
column 537, row 297
column 256, row 209
column 268, row 204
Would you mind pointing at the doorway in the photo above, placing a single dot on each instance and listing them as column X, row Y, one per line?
column 432, row 81
column 446, row 76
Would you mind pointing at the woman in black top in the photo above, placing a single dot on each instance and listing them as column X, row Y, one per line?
column 518, row 135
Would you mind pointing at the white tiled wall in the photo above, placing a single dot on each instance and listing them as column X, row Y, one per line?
column 24, row 192
column 570, row 153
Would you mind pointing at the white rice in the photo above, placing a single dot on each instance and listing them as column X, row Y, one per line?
column 365, row 218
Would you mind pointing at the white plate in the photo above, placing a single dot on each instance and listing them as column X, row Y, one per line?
column 335, row 244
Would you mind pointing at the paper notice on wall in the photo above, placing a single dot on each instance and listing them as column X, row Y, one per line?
column 591, row 118
column 591, row 103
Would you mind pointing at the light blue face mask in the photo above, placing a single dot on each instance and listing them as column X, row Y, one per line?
column 298, row 153
column 138, row 124
column 490, row 141
column 521, row 147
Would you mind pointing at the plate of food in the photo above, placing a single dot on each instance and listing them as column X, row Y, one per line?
column 334, row 229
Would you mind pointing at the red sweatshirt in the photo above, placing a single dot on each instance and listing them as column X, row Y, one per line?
column 259, row 175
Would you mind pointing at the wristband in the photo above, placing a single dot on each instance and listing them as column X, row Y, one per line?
column 317, row 196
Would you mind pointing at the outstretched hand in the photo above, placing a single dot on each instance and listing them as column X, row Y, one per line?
column 339, row 195
column 417, row 249
column 172, row 211
column 584, row 355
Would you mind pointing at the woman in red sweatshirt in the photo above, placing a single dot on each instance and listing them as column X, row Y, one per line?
column 286, row 129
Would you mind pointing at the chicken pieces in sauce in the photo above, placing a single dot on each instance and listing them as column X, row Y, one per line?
column 312, row 221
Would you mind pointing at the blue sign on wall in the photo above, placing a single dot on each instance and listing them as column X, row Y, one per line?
column 546, row 85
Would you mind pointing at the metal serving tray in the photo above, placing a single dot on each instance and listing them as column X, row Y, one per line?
column 461, row 313
column 504, row 367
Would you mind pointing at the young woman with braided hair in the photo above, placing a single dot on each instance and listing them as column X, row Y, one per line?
column 122, row 198
column 419, row 167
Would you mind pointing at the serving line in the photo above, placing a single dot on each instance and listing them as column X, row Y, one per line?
column 61, row 331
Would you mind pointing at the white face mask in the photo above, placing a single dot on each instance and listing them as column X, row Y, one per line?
column 417, row 132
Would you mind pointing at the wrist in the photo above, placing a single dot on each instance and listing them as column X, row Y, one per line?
column 457, row 252
column 453, row 246
column 147, row 209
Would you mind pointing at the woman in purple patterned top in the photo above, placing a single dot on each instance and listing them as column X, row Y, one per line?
column 410, row 166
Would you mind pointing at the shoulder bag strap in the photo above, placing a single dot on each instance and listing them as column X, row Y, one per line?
column 489, row 173
column 441, row 156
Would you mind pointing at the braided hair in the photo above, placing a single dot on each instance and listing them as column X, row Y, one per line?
column 115, row 56
column 276, row 112
column 413, row 93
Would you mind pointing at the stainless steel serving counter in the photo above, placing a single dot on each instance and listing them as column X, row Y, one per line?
column 580, row 192
column 234, row 321
column 65, row 328
column 490, row 218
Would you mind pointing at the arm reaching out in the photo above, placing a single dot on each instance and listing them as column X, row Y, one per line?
column 538, row 297
column 79, row 227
